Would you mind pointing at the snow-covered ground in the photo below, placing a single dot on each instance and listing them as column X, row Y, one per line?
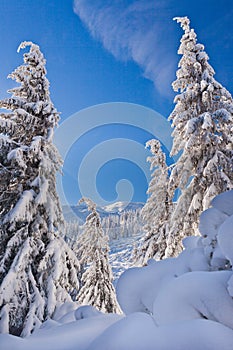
column 178, row 303
column 121, row 254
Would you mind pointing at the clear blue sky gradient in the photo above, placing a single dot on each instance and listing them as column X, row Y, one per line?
column 83, row 73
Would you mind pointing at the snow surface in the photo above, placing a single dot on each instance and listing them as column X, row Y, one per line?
column 177, row 303
column 121, row 254
column 57, row 336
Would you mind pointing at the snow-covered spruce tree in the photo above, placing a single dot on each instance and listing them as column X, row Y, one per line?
column 156, row 211
column 202, row 121
column 38, row 271
column 97, row 288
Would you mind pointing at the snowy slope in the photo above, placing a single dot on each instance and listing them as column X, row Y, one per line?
column 120, row 255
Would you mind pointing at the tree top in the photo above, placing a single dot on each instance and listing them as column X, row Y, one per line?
column 184, row 22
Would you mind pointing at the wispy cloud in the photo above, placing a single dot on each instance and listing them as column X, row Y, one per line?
column 134, row 30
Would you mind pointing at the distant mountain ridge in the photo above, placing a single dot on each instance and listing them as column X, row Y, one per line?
column 79, row 212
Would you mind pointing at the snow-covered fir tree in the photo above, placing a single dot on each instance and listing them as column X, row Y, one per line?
column 38, row 271
column 202, row 137
column 156, row 211
column 97, row 288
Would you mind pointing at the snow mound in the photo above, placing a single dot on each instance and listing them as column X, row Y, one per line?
column 138, row 287
column 139, row 332
column 195, row 295
column 70, row 336
column 86, row 311
column 224, row 202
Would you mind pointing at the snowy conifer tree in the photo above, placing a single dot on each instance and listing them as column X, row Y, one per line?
column 202, row 121
column 97, row 288
column 38, row 271
column 156, row 211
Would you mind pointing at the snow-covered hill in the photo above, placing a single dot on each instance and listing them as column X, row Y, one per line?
column 119, row 207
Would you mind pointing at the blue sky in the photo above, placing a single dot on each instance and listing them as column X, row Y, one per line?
column 102, row 51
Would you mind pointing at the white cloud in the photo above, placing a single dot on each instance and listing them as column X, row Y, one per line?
column 135, row 31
